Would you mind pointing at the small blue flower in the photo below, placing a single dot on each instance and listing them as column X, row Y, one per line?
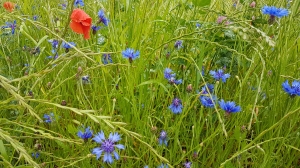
column 107, row 147
column 273, row 11
column 10, row 25
column 170, row 76
column 78, row 3
column 35, row 155
column 68, row 45
column 35, row 17
column 178, row 44
column 64, row 6
column 198, row 25
column 219, row 74
column 102, row 18
column 229, row 107
column 207, row 101
column 130, row 54
column 163, row 138
column 95, row 28
column 106, row 58
column 54, row 44
column 86, row 134
column 163, row 166
column 146, row 166
column 176, row 106
column 49, row 118
column 292, row 90
column 210, row 88
column 187, row 164
column 85, row 79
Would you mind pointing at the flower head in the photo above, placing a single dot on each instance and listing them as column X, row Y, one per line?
column 54, row 44
column 170, row 76
column 102, row 18
column 210, row 88
column 221, row 19
column 229, row 106
column 106, row 58
column 49, row 118
column 219, row 74
column 78, row 3
column 252, row 4
column 10, row 25
column 292, row 90
column 178, row 44
column 208, row 101
column 9, row 6
column 273, row 11
column 35, row 155
column 163, row 138
column 85, row 79
column 198, row 25
column 163, row 166
column 187, row 164
column 176, row 106
column 81, row 22
column 68, row 45
column 107, row 146
column 95, row 29
column 130, row 54
column 85, row 135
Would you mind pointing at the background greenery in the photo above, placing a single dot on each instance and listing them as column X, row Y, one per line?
column 133, row 99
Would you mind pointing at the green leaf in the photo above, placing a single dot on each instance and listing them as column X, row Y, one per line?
column 201, row 3
column 3, row 150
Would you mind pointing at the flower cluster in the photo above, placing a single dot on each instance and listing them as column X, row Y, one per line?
column 170, row 76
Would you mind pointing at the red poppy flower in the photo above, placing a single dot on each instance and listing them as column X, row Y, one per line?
column 9, row 6
column 81, row 23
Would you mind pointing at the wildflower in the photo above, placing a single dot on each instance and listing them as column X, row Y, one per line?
column 64, row 6
column 54, row 44
column 78, row 3
column 146, row 166
column 210, row 89
column 163, row 166
column 35, row 155
column 68, row 45
column 85, row 79
column 187, row 164
column 198, row 25
column 208, row 101
column 176, row 106
column 178, row 44
column 35, row 17
column 219, row 74
column 10, row 25
column 81, row 23
column 252, row 4
column 85, row 135
column 163, row 139
column 229, row 106
column 189, row 88
column 102, row 18
column 292, row 90
column 9, row 6
column 95, row 29
column 49, row 118
column 108, row 146
column 106, row 58
column 170, row 76
column 221, row 19
column 274, row 12
column 130, row 54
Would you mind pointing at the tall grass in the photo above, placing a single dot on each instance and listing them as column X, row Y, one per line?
column 133, row 99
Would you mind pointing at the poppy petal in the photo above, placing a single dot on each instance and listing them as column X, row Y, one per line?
column 9, row 6
column 76, row 27
column 86, row 32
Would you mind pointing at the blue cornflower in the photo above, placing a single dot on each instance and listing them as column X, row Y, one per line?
column 102, row 18
column 85, row 79
column 95, row 28
column 64, row 6
column 187, row 164
column 274, row 12
column 86, row 134
column 54, row 44
column 106, row 59
column 49, row 118
column 229, row 106
column 108, row 146
column 163, row 166
column 176, row 106
column 208, row 101
column 198, row 25
column 35, row 17
column 178, row 44
column 68, row 45
column 146, row 166
column 170, row 76
column 210, row 88
column 219, row 74
column 35, row 155
column 78, row 3
column 10, row 25
column 130, row 54
column 292, row 90
column 163, row 139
